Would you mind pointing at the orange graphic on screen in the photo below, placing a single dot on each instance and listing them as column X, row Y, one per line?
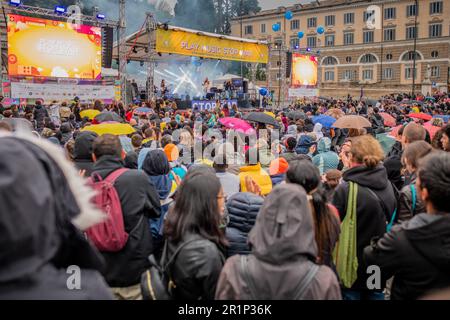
column 47, row 48
column 304, row 70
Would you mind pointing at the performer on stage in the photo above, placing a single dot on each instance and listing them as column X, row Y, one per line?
column 206, row 85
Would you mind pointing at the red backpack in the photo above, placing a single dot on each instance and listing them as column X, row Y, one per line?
column 110, row 235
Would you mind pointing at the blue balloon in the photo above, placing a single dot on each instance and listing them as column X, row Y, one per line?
column 288, row 15
column 276, row 27
column 300, row 34
column 263, row 92
column 320, row 29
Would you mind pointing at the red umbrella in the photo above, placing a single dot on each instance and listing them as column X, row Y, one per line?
column 394, row 131
column 431, row 129
column 389, row 120
column 237, row 124
column 421, row 115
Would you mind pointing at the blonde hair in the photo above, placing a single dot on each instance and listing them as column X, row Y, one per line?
column 186, row 138
column 366, row 150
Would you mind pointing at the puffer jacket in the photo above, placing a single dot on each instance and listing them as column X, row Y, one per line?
column 405, row 205
column 243, row 209
column 258, row 174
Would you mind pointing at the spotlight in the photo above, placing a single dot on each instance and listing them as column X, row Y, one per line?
column 15, row 2
column 159, row 54
column 308, row 49
column 166, row 26
column 296, row 47
column 60, row 9
column 101, row 16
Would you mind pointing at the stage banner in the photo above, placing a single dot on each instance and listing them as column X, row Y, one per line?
column 303, row 92
column 304, row 71
column 202, row 105
column 193, row 44
column 46, row 48
column 61, row 92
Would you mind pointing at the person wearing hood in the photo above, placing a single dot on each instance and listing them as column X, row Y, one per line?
column 281, row 265
column 306, row 145
column 82, row 152
column 66, row 132
column 417, row 252
column 39, row 115
column 326, row 159
column 42, row 231
column 317, row 130
column 375, row 204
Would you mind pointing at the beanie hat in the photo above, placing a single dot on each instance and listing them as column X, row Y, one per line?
column 278, row 166
column 171, row 152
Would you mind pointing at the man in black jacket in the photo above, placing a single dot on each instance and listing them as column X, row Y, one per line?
column 140, row 202
column 417, row 252
column 39, row 115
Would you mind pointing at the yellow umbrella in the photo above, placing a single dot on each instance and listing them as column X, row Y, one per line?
column 89, row 113
column 270, row 114
column 117, row 129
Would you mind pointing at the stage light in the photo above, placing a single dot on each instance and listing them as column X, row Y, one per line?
column 15, row 2
column 160, row 54
column 60, row 9
column 296, row 47
column 101, row 16
column 308, row 49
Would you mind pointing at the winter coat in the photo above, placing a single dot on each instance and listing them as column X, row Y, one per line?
column 39, row 115
column 82, row 152
column 325, row 160
column 230, row 183
column 260, row 176
column 139, row 200
column 196, row 269
column 289, row 156
column 38, row 239
column 243, row 209
column 277, row 178
column 371, row 215
column 405, row 205
column 283, row 251
column 393, row 165
column 416, row 253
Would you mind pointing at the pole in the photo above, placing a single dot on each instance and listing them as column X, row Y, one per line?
column 415, row 47
column 242, row 66
column 122, row 50
column 279, row 78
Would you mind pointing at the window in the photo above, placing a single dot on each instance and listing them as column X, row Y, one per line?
column 434, row 54
column 329, row 75
column 295, row 24
column 387, row 73
column 329, row 40
column 390, row 13
column 295, row 42
column 368, row 15
column 348, row 59
column 348, row 37
column 278, row 76
column 367, row 74
column 248, row 30
column 368, row 58
column 278, row 43
column 263, row 28
column 409, row 73
column 389, row 56
column 329, row 20
column 311, row 41
column 347, row 75
column 436, row 7
column 435, row 30
column 328, row 61
column 411, row 32
column 389, row 34
column 367, row 36
column 435, row 72
column 312, row 22
column 349, row 18
column 409, row 56
column 411, row 10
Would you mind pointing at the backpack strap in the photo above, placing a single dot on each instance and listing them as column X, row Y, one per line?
column 413, row 198
column 383, row 206
column 247, row 277
column 112, row 177
column 167, row 265
column 306, row 281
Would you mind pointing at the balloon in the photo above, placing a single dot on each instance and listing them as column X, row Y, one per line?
column 300, row 34
column 263, row 92
column 276, row 27
column 288, row 15
column 320, row 29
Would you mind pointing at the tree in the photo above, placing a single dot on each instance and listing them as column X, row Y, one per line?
column 196, row 14
column 235, row 8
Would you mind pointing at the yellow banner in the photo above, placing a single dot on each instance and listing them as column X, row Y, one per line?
column 191, row 44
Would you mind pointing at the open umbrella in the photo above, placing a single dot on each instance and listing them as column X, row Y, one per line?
column 270, row 114
column 89, row 113
column 110, row 128
column 324, row 120
column 420, row 115
column 237, row 124
column 296, row 115
column 389, row 120
column 352, row 122
column 261, row 117
column 432, row 130
column 335, row 113
column 386, row 142
column 143, row 110
column 430, row 98
column 395, row 130
column 108, row 116
column 444, row 118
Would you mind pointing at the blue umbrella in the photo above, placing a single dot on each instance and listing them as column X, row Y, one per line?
column 324, row 120
column 143, row 110
column 430, row 98
column 444, row 118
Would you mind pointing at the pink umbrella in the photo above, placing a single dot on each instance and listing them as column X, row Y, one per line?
column 431, row 129
column 394, row 132
column 237, row 124
column 389, row 120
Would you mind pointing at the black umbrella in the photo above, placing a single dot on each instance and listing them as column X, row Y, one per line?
column 295, row 115
column 108, row 116
column 261, row 117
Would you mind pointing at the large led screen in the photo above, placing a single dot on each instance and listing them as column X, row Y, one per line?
column 304, row 70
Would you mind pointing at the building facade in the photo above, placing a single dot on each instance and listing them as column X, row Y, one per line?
column 367, row 46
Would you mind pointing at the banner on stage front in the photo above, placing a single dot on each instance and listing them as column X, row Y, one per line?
column 302, row 92
column 203, row 105
column 200, row 45
column 61, row 92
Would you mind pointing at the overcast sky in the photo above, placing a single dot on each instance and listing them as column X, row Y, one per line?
column 272, row 4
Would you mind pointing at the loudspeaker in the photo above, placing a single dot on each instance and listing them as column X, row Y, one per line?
column 288, row 64
column 107, row 46
column 245, row 87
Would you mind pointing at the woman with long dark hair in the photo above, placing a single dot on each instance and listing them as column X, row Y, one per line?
column 326, row 224
column 194, row 223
